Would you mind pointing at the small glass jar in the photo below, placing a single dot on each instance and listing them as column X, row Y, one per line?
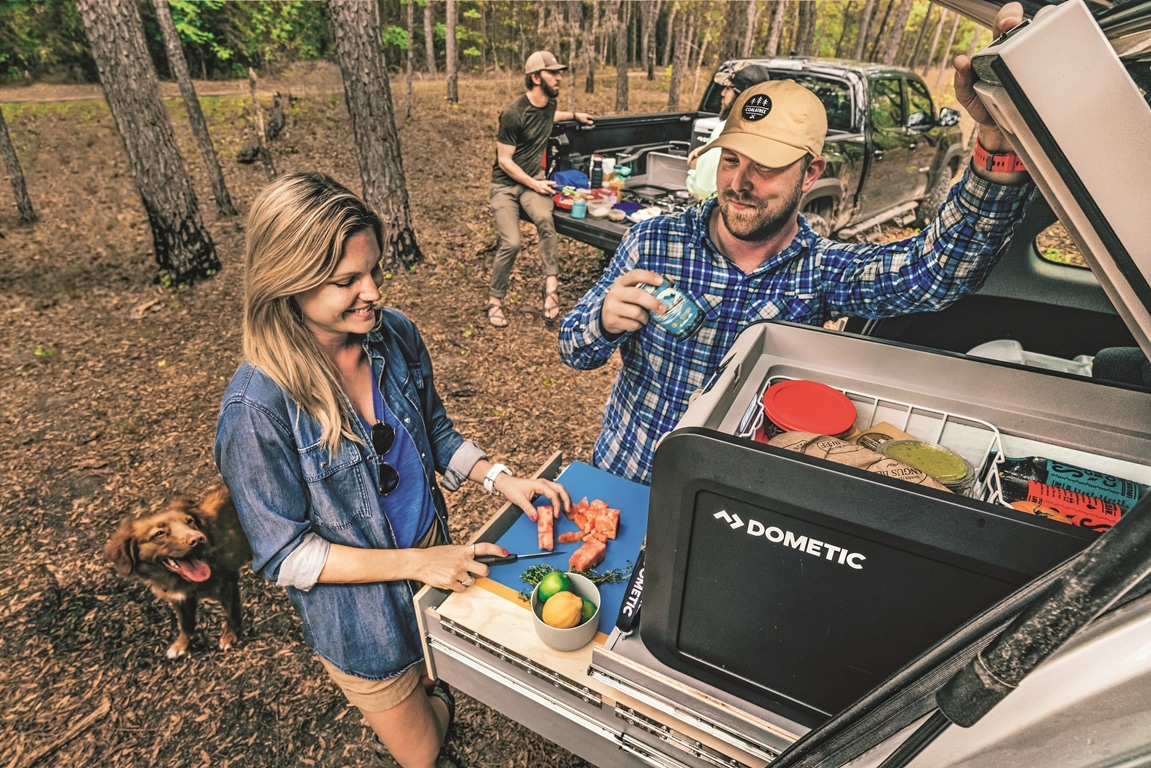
column 942, row 463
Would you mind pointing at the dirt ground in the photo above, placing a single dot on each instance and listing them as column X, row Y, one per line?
column 110, row 392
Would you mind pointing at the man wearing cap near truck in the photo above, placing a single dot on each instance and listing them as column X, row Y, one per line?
column 748, row 255
column 703, row 161
column 519, row 181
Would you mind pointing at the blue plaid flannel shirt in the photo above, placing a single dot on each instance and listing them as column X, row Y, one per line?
column 811, row 281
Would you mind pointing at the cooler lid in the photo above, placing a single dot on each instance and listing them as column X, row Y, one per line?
column 1071, row 89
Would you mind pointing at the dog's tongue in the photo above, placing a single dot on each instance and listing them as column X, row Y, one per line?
column 190, row 569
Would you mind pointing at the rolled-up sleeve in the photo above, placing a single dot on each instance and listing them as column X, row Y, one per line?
column 255, row 456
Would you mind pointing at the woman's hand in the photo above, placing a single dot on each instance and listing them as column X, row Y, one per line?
column 454, row 566
column 521, row 490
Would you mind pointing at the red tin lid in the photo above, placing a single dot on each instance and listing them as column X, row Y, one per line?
column 808, row 406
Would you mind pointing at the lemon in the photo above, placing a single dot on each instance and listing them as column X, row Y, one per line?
column 554, row 582
column 563, row 610
column 588, row 610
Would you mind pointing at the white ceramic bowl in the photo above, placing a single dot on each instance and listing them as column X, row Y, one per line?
column 574, row 637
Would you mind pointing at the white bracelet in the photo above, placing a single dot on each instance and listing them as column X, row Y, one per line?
column 490, row 477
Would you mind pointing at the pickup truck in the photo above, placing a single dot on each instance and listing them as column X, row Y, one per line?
column 890, row 155
column 800, row 613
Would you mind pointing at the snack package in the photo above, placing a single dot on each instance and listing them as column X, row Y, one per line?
column 853, row 455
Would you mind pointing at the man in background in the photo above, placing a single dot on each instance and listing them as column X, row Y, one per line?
column 519, row 181
column 704, row 159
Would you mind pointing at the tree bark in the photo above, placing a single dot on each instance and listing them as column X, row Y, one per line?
column 775, row 29
column 913, row 58
column 195, row 115
column 895, row 31
column 411, row 20
column 839, row 51
column 681, row 36
column 183, row 248
column 451, row 55
column 928, row 55
column 747, row 45
column 589, row 49
column 805, row 29
column 429, row 37
column 864, row 25
column 621, row 19
column 945, row 56
column 356, row 30
column 15, row 174
column 669, row 43
column 265, row 152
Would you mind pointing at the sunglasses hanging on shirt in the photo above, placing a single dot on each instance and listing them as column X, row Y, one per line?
column 383, row 436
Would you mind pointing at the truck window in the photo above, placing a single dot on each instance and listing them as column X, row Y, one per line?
column 887, row 104
column 836, row 100
column 921, row 112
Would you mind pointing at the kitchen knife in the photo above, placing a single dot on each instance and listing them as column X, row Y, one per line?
column 504, row 559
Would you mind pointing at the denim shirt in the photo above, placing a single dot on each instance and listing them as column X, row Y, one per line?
column 295, row 498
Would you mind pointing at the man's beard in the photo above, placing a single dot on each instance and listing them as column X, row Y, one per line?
column 725, row 110
column 552, row 92
column 764, row 222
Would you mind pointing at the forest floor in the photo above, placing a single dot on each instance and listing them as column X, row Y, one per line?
column 110, row 388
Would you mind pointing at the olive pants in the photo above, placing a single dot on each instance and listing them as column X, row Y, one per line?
column 506, row 202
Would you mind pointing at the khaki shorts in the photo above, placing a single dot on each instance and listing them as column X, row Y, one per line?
column 379, row 695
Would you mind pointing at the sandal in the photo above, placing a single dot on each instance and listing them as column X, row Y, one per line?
column 552, row 314
column 496, row 315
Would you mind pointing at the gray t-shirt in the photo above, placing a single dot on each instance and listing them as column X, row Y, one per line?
column 527, row 128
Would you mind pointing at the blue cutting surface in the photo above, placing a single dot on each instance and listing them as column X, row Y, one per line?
column 582, row 480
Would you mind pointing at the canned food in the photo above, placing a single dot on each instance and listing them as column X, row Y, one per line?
column 683, row 315
column 799, row 405
column 942, row 463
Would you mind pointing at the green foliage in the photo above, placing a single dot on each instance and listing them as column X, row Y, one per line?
column 396, row 37
column 44, row 39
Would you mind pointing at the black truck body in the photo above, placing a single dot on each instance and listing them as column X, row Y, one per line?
column 890, row 154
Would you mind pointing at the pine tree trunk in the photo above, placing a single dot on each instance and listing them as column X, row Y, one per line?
column 775, row 29
column 929, row 54
column 669, row 43
column 183, row 248
column 621, row 20
column 747, row 46
column 864, row 28
column 945, row 56
column 589, row 49
column 896, row 31
column 839, row 51
column 805, row 29
column 16, row 174
column 451, row 57
column 411, row 20
column 679, row 64
column 356, row 29
column 192, row 104
column 429, row 38
column 913, row 59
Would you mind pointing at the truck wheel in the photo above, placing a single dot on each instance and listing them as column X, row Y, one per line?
column 929, row 205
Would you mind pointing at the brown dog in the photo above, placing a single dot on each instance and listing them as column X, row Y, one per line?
column 191, row 549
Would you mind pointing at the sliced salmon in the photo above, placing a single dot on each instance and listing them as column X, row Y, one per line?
column 545, row 528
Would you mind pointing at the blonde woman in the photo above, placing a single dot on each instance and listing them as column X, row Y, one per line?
column 330, row 437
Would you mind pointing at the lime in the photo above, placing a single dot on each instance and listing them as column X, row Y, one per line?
column 588, row 610
column 554, row 582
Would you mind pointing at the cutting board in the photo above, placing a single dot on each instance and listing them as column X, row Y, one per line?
column 581, row 480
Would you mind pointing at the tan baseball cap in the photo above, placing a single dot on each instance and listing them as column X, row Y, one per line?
column 775, row 123
column 541, row 60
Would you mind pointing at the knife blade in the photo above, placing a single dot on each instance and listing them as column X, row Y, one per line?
column 509, row 558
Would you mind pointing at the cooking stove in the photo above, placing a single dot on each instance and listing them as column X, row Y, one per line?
column 669, row 199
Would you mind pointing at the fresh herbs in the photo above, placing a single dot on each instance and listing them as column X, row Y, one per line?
column 533, row 574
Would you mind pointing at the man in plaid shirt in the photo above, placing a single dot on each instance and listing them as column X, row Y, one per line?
column 748, row 255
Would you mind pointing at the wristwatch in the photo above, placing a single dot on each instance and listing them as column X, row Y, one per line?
column 1002, row 162
column 490, row 477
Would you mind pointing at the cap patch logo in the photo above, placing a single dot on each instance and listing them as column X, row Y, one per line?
column 757, row 107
